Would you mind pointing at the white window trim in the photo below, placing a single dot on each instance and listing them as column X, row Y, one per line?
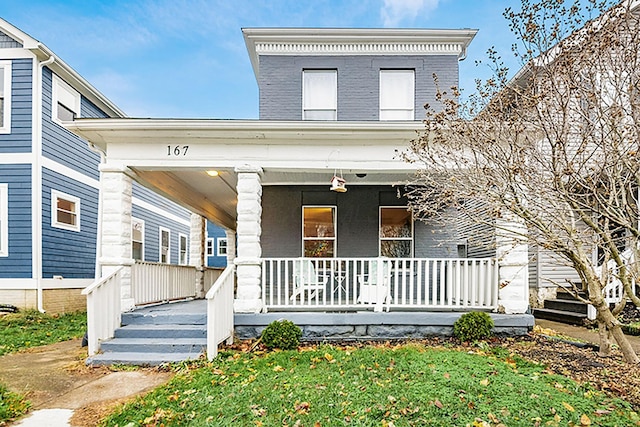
column 186, row 249
column 381, row 239
column 210, row 245
column 226, row 247
column 4, row 220
column 335, row 106
column 59, row 89
column 6, row 122
column 168, row 261
column 55, row 195
column 412, row 108
column 139, row 221
column 335, row 228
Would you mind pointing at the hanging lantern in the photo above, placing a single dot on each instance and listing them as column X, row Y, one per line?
column 338, row 184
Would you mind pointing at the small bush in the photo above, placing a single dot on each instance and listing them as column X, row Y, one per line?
column 282, row 334
column 473, row 326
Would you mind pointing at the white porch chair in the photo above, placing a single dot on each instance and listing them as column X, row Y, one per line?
column 307, row 279
column 375, row 287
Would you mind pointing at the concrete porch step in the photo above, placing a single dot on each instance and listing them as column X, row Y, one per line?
column 144, row 318
column 161, row 331
column 560, row 316
column 572, row 306
column 140, row 359
column 154, row 345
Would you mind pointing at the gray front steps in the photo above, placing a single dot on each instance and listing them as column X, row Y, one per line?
column 155, row 335
column 565, row 308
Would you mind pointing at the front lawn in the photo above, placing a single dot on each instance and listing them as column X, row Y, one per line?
column 404, row 385
column 30, row 328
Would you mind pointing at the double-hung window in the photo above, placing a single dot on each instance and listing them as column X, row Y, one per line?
column 65, row 211
column 396, row 232
column 397, row 95
column 137, row 239
column 5, row 97
column 319, row 94
column 4, row 220
column 165, row 246
column 65, row 101
column 210, row 241
column 319, row 231
column 182, row 249
column 222, row 246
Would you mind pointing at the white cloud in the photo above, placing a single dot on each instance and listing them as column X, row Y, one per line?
column 395, row 11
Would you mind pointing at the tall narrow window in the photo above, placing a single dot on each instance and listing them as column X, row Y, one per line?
column 65, row 211
column 319, row 94
column 319, row 231
column 222, row 246
column 137, row 239
column 396, row 232
column 182, row 249
column 4, row 220
column 210, row 246
column 5, row 97
column 397, row 95
column 164, row 246
column 65, row 101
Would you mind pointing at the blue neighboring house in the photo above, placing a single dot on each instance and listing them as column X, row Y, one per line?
column 217, row 247
column 50, row 184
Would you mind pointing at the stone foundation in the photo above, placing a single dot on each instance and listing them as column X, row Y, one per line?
column 537, row 296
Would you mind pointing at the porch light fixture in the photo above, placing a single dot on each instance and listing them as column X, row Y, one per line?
column 213, row 173
column 338, row 184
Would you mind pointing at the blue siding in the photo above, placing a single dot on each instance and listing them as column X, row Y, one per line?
column 71, row 254
column 18, row 263
column 152, row 224
column 61, row 145
column 19, row 140
column 215, row 232
column 147, row 195
column 280, row 82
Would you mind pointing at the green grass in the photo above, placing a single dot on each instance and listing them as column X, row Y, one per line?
column 407, row 385
column 31, row 328
column 12, row 405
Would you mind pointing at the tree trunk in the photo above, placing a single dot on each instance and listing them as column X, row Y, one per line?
column 605, row 342
column 606, row 318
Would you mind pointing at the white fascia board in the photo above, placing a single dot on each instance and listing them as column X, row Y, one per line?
column 355, row 41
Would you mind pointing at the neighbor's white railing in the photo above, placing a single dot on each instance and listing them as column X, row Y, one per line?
column 613, row 292
column 103, row 309
column 211, row 274
column 154, row 283
column 220, row 312
column 401, row 283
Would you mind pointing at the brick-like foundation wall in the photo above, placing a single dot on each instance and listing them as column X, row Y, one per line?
column 21, row 298
column 54, row 301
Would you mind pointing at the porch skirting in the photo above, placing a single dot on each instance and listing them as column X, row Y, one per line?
column 374, row 326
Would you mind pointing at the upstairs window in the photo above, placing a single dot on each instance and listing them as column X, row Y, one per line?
column 137, row 239
column 5, row 97
column 66, row 101
column 319, row 231
column 396, row 232
column 182, row 249
column 164, row 246
column 397, row 95
column 4, row 220
column 319, row 94
column 65, row 211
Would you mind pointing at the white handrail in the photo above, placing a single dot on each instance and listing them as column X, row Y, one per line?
column 103, row 309
column 220, row 312
column 156, row 282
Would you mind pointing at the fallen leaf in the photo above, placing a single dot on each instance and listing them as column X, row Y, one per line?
column 568, row 407
column 446, row 375
column 484, row 382
column 278, row 368
column 438, row 404
column 585, row 420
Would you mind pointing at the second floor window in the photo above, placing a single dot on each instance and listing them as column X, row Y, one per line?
column 397, row 95
column 319, row 94
column 66, row 101
column 5, row 97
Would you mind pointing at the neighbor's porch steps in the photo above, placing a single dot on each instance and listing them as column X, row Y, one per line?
column 155, row 335
column 564, row 308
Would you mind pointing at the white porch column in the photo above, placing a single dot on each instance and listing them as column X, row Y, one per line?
column 231, row 246
column 115, row 243
column 513, row 264
column 248, row 262
column 197, row 244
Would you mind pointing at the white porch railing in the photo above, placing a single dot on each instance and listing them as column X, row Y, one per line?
column 211, row 274
column 613, row 292
column 378, row 283
column 154, row 283
column 220, row 312
column 103, row 309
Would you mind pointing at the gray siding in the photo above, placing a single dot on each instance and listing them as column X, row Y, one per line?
column 7, row 42
column 280, row 82
column 18, row 263
column 548, row 269
column 436, row 238
column 152, row 224
column 71, row 254
column 478, row 232
column 59, row 144
column 19, row 140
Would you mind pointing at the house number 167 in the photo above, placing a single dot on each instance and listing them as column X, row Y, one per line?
column 177, row 150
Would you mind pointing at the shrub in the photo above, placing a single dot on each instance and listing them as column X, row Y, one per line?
column 473, row 326
column 282, row 334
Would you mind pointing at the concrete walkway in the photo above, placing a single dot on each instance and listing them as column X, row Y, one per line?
column 582, row 333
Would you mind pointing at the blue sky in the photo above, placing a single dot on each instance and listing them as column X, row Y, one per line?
column 187, row 58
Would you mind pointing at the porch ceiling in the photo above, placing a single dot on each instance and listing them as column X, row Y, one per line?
column 289, row 153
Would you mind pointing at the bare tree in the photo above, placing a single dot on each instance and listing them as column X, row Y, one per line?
column 557, row 146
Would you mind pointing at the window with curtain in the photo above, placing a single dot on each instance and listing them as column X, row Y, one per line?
column 137, row 239
column 397, row 95
column 182, row 249
column 396, row 232
column 319, row 231
column 164, row 246
column 319, row 94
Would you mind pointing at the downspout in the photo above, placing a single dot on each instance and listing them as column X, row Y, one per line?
column 37, row 171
